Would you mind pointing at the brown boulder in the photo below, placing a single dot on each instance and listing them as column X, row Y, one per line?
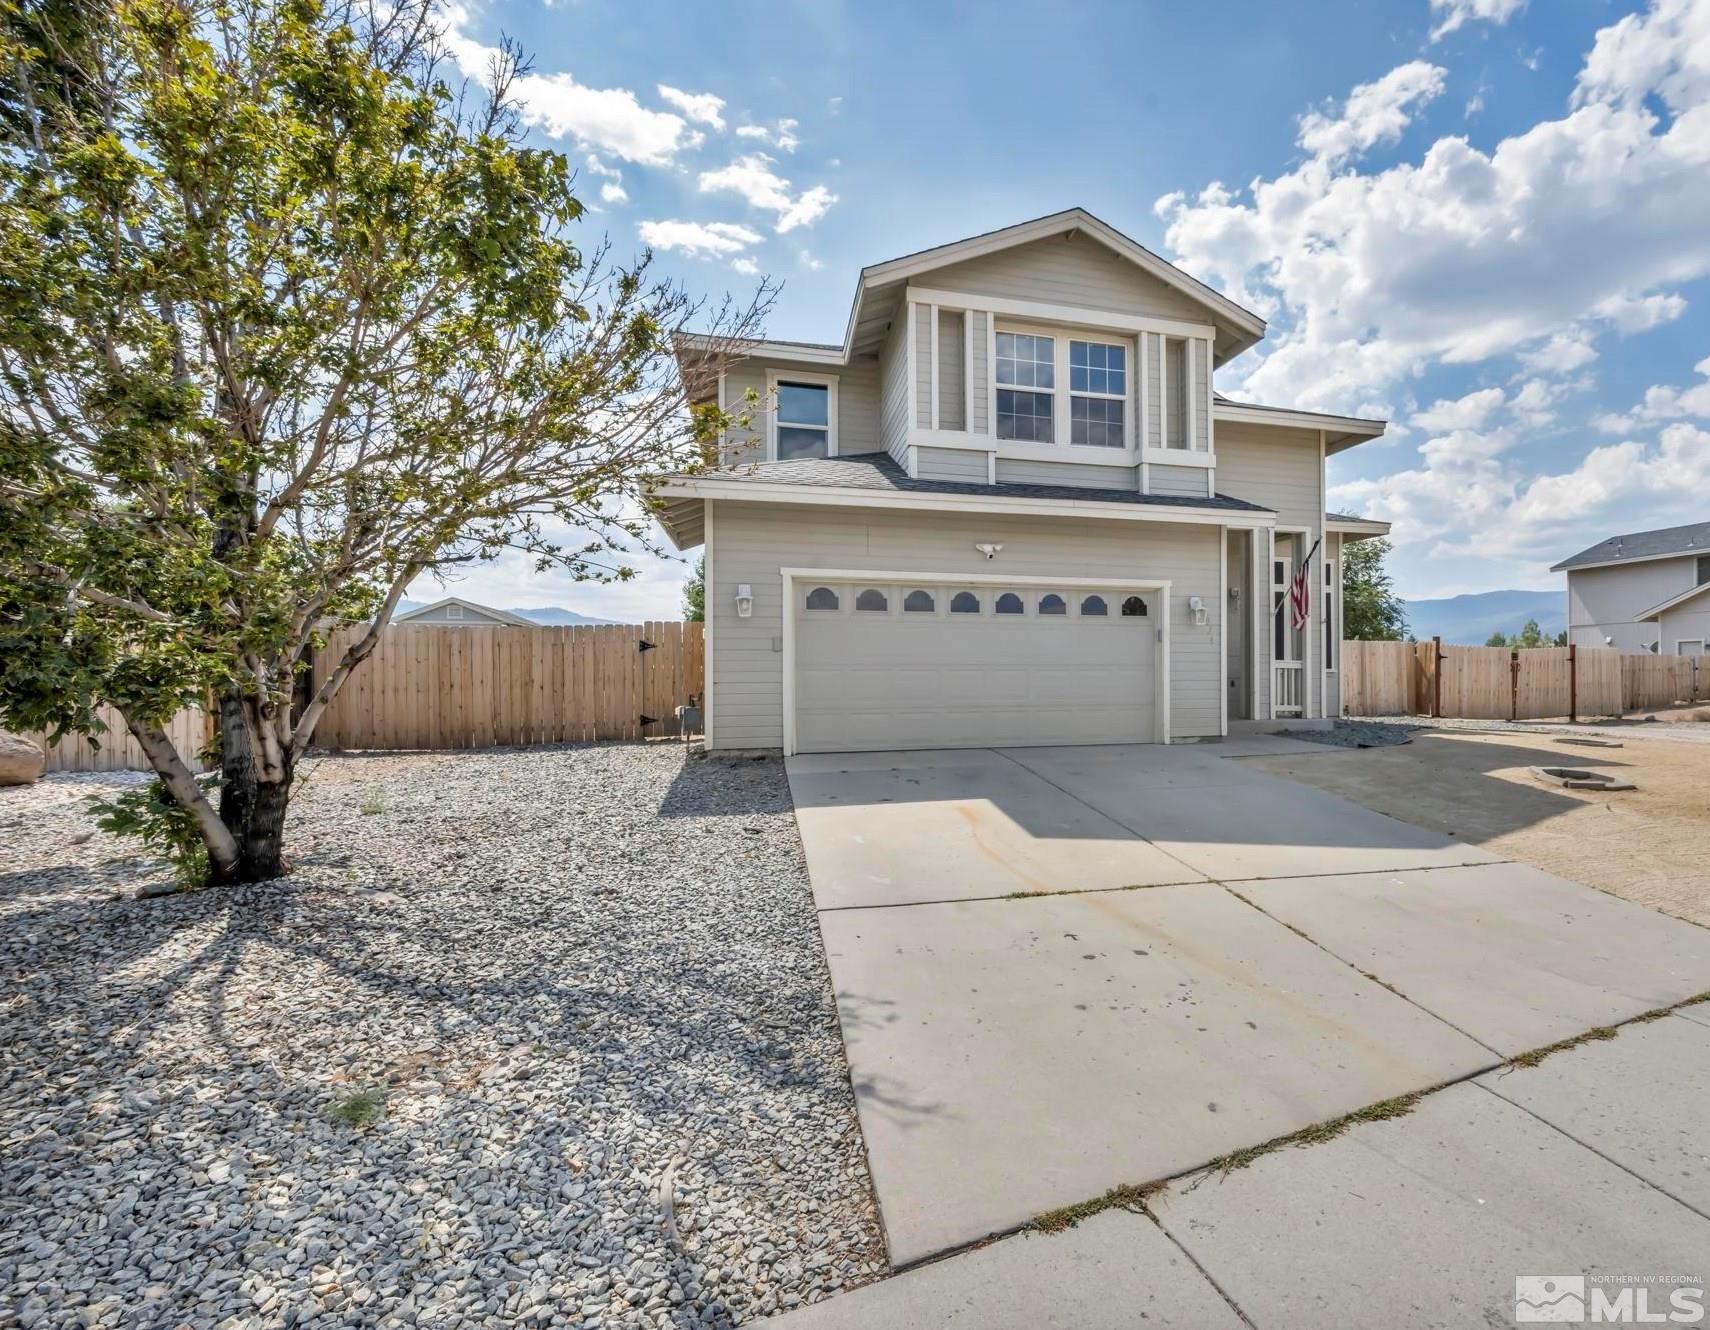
column 21, row 760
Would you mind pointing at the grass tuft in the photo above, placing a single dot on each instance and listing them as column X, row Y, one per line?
column 358, row 1110
column 373, row 805
column 1319, row 1132
column 1125, row 1197
column 1537, row 1055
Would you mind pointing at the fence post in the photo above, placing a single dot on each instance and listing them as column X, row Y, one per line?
column 1436, row 677
column 1573, row 684
column 1513, row 685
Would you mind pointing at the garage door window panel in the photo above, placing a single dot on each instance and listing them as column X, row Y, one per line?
column 1094, row 607
column 920, row 602
column 1053, row 605
column 1134, row 607
column 1010, row 604
column 822, row 600
column 964, row 602
column 872, row 601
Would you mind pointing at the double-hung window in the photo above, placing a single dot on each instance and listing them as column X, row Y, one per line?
column 1098, row 390
column 1027, row 380
column 1061, row 390
column 1330, row 589
column 803, row 421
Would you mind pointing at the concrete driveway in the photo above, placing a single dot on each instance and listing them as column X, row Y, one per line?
column 1061, row 970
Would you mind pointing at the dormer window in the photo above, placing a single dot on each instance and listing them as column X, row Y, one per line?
column 1026, row 375
column 1062, row 391
column 1098, row 391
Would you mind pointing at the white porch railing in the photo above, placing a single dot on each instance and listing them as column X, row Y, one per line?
column 1287, row 688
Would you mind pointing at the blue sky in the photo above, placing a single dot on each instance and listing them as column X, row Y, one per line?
column 1486, row 220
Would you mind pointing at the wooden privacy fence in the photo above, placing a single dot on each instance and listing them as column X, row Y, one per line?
column 1498, row 683
column 1663, row 681
column 470, row 687
column 190, row 730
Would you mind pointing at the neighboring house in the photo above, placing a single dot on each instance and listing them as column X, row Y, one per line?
column 1008, row 508
column 1644, row 591
column 453, row 612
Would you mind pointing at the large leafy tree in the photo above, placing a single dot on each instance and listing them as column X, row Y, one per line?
column 287, row 320
column 1371, row 611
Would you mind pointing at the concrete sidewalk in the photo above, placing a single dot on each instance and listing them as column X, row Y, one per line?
column 1590, row 1163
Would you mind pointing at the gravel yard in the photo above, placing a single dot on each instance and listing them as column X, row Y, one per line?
column 582, row 988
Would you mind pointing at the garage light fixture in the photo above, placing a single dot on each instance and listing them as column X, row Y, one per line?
column 989, row 550
column 744, row 601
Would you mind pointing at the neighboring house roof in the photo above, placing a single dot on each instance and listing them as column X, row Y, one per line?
column 486, row 611
column 881, row 284
column 877, row 479
column 1656, row 611
column 1669, row 542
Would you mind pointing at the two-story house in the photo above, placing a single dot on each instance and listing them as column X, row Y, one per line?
column 1009, row 508
column 1643, row 591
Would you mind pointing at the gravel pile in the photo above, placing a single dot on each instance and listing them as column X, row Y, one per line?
column 1359, row 734
column 580, row 990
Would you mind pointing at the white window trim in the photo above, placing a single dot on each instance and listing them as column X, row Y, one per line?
column 454, row 611
column 1159, row 623
column 1332, row 603
column 829, row 381
column 1679, row 642
column 1062, row 427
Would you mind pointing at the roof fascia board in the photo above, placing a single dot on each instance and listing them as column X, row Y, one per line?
column 1564, row 565
column 1673, row 601
column 1362, row 528
column 830, row 496
column 1241, row 413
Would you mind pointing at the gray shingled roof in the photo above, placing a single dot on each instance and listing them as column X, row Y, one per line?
column 876, row 471
column 1693, row 539
column 1348, row 517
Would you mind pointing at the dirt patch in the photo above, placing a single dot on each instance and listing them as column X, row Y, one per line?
column 1650, row 845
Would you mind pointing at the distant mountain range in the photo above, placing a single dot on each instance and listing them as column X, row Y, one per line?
column 555, row 615
column 1470, row 620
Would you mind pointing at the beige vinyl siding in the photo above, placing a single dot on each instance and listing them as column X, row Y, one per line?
column 1154, row 390
column 1079, row 272
column 857, row 406
column 952, row 383
column 1692, row 623
column 981, row 372
column 1199, row 350
column 1184, row 481
column 894, row 395
column 1280, row 469
column 960, row 464
column 754, row 541
column 923, row 366
column 1083, row 475
column 1605, row 602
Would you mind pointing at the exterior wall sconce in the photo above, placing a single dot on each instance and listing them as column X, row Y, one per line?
column 744, row 601
column 1196, row 607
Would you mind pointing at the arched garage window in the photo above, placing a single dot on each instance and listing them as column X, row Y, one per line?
column 1094, row 605
column 964, row 602
column 872, row 600
column 822, row 598
column 1134, row 608
column 1010, row 603
column 919, row 602
column 1052, row 603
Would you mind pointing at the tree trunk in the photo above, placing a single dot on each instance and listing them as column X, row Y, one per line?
column 251, row 807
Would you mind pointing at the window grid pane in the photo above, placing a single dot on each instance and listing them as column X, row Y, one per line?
column 804, row 404
column 1095, row 422
column 1098, row 367
column 1025, row 416
column 1026, row 361
column 801, row 441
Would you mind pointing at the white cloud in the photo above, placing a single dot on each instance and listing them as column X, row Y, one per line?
column 747, row 267
column 781, row 134
column 1532, row 405
column 753, row 178
column 1473, row 411
column 698, row 240
column 1374, row 113
column 610, row 120
column 808, row 261
column 1456, row 13
column 1662, row 402
column 611, row 192
column 702, row 107
column 1636, row 314
column 1374, row 276
column 1467, row 499
column 1562, row 354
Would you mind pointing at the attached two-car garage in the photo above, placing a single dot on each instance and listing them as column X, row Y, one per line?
column 878, row 663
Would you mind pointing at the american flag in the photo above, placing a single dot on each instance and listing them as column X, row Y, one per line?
column 1300, row 592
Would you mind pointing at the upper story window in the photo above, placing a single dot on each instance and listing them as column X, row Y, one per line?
column 803, row 422
column 1703, row 569
column 1098, row 393
column 1026, row 363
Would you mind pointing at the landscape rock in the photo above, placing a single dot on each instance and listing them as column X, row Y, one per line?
column 21, row 760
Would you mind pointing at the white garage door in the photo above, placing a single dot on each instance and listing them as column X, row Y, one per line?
column 923, row 665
